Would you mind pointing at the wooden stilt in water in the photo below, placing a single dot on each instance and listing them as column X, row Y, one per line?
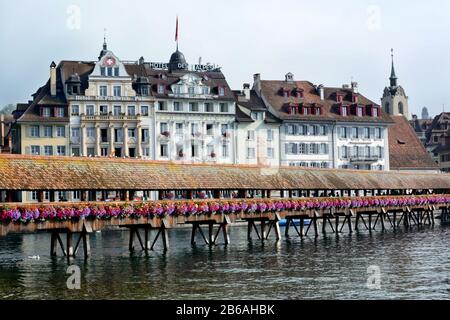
column 276, row 225
column 357, row 221
column 249, row 229
column 53, row 243
column 165, row 237
column 210, row 234
column 286, row 230
column 336, row 224
column 194, row 231
column 146, row 238
column 316, row 231
column 263, row 230
column 131, row 242
column 86, row 245
column 70, row 250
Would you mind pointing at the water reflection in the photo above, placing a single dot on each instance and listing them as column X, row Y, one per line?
column 414, row 264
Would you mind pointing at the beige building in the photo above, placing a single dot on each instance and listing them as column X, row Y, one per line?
column 43, row 128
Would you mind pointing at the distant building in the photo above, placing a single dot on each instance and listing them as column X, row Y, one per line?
column 326, row 127
column 420, row 127
column 6, row 123
column 425, row 115
column 395, row 100
column 406, row 152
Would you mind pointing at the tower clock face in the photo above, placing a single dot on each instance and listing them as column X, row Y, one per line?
column 109, row 61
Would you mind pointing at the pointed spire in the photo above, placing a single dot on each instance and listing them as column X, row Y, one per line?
column 393, row 77
column 105, row 45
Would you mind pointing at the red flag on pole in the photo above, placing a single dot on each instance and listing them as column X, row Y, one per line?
column 176, row 32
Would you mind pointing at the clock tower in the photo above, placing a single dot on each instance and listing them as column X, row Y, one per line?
column 395, row 100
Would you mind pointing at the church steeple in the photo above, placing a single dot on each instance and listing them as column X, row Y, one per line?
column 393, row 77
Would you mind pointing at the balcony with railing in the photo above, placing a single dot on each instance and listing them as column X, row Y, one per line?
column 109, row 117
column 364, row 158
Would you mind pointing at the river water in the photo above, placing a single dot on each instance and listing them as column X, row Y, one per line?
column 412, row 264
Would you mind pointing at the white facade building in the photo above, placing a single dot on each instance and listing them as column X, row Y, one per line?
column 326, row 127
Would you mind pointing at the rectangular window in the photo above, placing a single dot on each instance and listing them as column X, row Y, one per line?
column 48, row 131
column 144, row 111
column 161, row 89
column 35, row 150
column 116, row 72
column 194, row 128
column 209, row 129
column 34, row 196
column 34, row 131
column 225, row 150
column 104, row 135
column 375, row 112
column 323, row 130
column 209, row 107
column 344, row 111
column 194, row 150
column 117, row 91
column 90, row 110
column 343, row 133
column 75, row 151
column 366, row 133
column 103, row 91
column 61, row 131
column 315, row 130
column 59, row 112
column 131, row 133
column 359, row 112
column 162, row 106
column 380, row 152
column 48, row 150
column 103, row 71
column 117, row 110
column 75, row 132
column 163, row 127
column 290, row 130
column 378, row 133
column 224, row 128
column 191, row 91
column 61, row 150
column 104, row 152
column 302, row 148
column 145, row 135
column 250, row 135
column 75, row 110
column 193, row 106
column 90, row 152
column 131, row 110
column 90, row 132
column 269, row 135
column 250, row 153
column 46, row 112
column 110, row 72
column 355, row 132
column 179, row 128
column 146, row 152
column 177, row 106
column 103, row 110
column 270, row 153
column 224, row 107
column 118, row 135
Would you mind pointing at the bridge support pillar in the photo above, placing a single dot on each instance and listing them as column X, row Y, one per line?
column 211, row 238
column 146, row 244
column 262, row 234
column 69, row 250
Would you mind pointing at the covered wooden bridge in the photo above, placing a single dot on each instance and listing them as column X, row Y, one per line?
column 75, row 182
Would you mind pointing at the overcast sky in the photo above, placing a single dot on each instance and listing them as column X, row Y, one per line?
column 328, row 42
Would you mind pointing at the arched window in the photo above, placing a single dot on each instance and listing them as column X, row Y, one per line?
column 400, row 108
column 387, row 108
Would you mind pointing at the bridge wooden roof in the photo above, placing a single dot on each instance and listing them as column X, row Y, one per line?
column 24, row 172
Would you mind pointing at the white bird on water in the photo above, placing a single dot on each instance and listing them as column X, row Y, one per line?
column 34, row 257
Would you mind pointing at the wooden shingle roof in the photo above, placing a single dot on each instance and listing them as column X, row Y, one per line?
column 24, row 172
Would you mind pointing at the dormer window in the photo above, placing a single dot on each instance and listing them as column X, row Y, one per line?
column 339, row 97
column 298, row 93
column 161, row 89
column 305, row 111
column 354, row 98
column 344, row 111
column 221, row 91
column 316, row 110
column 294, row 109
column 375, row 112
column 46, row 112
column 359, row 111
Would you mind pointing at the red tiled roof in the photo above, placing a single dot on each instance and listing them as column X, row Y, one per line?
column 24, row 172
column 271, row 92
column 405, row 149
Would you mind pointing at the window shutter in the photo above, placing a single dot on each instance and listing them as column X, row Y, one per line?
column 326, row 148
column 372, row 133
column 295, row 148
column 340, row 152
column 286, row 148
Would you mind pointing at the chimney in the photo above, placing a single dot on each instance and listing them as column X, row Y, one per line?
column 289, row 77
column 321, row 91
column 354, row 87
column 257, row 82
column 2, row 129
column 345, row 86
column 247, row 91
column 53, row 79
column 141, row 60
